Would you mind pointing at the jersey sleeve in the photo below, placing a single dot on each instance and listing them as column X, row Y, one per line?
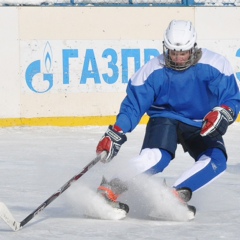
column 134, row 106
column 225, row 86
column 140, row 96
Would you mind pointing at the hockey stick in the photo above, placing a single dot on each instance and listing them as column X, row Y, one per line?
column 6, row 215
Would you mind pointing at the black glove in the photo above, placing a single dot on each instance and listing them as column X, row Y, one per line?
column 111, row 142
column 216, row 122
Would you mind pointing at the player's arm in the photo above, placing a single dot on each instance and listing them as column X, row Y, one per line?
column 132, row 109
column 140, row 96
column 225, row 87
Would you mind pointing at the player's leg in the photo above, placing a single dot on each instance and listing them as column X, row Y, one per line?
column 208, row 167
column 158, row 149
column 209, row 154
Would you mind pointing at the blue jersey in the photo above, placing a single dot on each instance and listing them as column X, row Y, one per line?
column 183, row 95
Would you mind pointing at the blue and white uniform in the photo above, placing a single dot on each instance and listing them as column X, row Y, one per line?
column 186, row 96
column 183, row 95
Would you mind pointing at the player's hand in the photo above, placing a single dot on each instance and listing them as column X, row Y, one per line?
column 111, row 142
column 216, row 122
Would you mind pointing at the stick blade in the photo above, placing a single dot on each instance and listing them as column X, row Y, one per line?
column 8, row 218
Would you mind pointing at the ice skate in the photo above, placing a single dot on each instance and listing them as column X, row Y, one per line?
column 184, row 195
column 173, row 206
column 110, row 191
column 104, row 204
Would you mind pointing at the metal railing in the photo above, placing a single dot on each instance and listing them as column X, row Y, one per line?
column 125, row 3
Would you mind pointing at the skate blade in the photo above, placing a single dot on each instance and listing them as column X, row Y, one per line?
column 170, row 217
column 114, row 214
column 191, row 215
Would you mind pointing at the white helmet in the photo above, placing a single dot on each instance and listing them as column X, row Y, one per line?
column 180, row 36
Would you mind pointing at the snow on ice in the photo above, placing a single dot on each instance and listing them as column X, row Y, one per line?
column 36, row 161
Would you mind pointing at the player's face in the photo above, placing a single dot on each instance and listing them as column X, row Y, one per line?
column 179, row 58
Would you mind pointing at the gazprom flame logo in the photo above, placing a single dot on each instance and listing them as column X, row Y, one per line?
column 38, row 74
column 47, row 57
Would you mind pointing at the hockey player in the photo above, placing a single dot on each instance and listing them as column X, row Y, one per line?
column 191, row 97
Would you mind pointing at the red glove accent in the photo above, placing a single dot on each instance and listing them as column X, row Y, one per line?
column 216, row 122
column 117, row 129
column 111, row 142
column 104, row 145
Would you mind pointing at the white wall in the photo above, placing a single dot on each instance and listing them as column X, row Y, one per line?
column 66, row 42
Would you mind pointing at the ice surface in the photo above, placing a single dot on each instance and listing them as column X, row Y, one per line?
column 36, row 161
